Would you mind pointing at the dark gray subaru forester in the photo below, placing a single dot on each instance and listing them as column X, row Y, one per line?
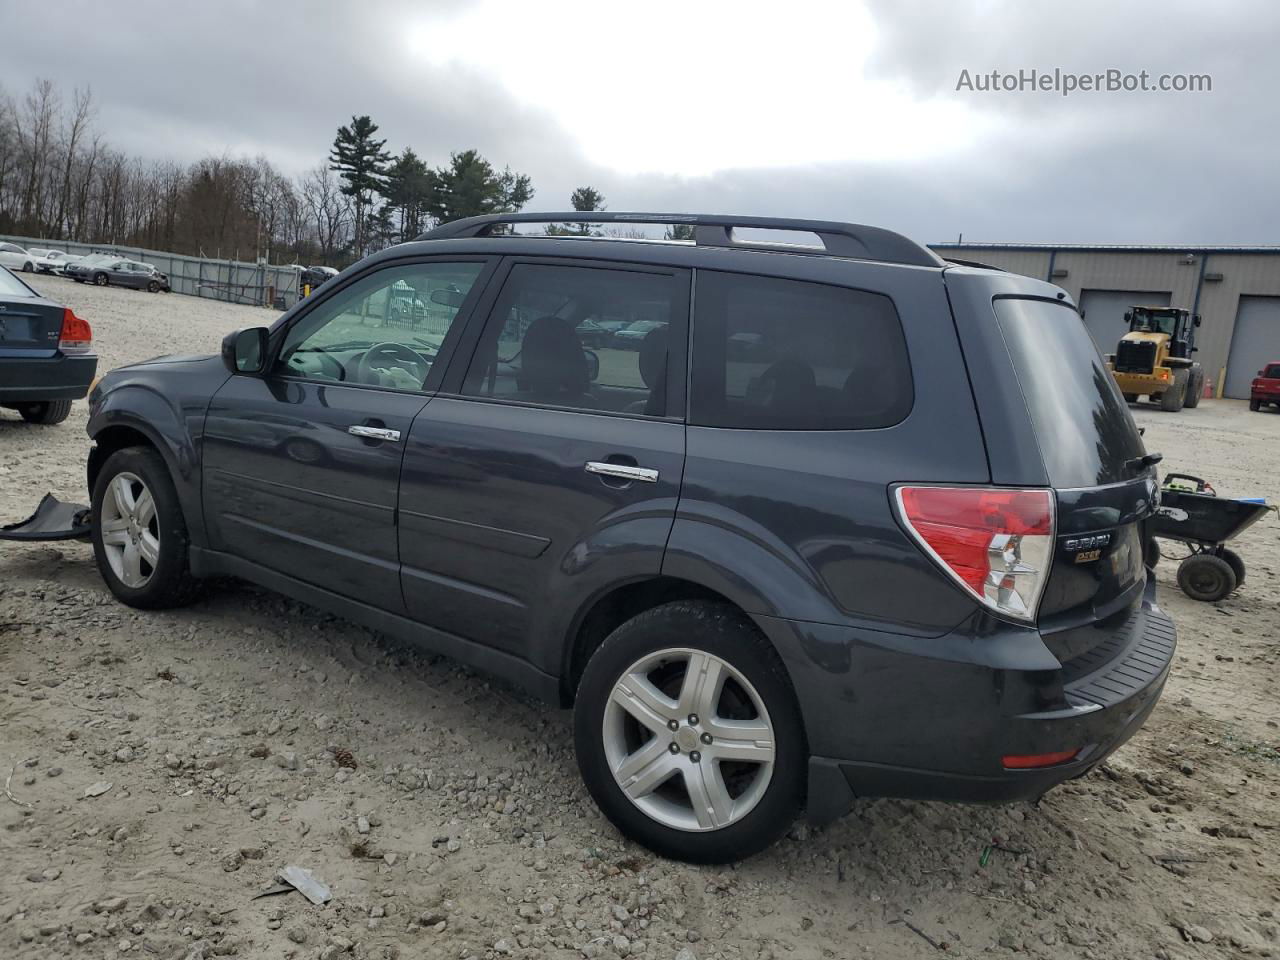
column 786, row 524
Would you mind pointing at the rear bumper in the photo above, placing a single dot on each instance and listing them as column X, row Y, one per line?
column 932, row 718
column 30, row 380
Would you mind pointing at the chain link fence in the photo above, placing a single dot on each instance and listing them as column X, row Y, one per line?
column 233, row 281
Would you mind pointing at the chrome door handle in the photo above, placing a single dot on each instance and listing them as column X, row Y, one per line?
column 375, row 433
column 622, row 471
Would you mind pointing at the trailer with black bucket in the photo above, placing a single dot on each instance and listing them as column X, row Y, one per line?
column 1192, row 513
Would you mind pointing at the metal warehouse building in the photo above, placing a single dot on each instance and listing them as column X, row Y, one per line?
column 1236, row 291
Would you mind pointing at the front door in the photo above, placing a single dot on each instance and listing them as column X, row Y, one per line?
column 545, row 463
column 302, row 465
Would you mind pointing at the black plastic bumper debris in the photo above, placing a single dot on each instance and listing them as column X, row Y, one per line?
column 53, row 520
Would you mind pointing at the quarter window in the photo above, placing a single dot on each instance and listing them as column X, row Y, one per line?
column 385, row 330
column 580, row 337
column 791, row 355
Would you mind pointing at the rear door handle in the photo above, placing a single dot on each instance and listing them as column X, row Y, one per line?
column 622, row 471
column 374, row 433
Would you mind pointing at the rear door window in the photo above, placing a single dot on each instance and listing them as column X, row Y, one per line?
column 1085, row 431
column 550, row 339
column 781, row 354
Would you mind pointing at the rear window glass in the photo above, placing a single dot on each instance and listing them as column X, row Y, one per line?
column 11, row 286
column 790, row 355
column 1272, row 372
column 1082, row 423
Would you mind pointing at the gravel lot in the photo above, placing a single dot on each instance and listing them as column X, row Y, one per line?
column 464, row 830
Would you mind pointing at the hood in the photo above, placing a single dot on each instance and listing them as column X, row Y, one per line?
column 1156, row 338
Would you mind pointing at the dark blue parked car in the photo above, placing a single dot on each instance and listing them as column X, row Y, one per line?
column 851, row 521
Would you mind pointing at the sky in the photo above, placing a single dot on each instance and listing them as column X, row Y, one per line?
column 840, row 111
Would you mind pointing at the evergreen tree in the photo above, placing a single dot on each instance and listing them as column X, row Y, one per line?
column 470, row 187
column 410, row 192
column 361, row 162
column 586, row 199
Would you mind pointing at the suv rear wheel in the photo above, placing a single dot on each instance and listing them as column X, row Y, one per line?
column 689, row 736
column 139, row 534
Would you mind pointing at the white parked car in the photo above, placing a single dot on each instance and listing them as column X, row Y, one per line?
column 49, row 261
column 16, row 258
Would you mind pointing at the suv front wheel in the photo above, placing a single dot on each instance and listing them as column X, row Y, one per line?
column 139, row 533
column 689, row 736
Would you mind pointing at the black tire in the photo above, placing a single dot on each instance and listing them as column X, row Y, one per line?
column 1130, row 398
column 47, row 412
column 1255, row 405
column 1153, row 554
column 722, row 631
column 1195, row 387
column 28, row 268
column 1205, row 577
column 1235, row 562
column 1175, row 395
column 101, row 279
column 170, row 583
column 153, row 286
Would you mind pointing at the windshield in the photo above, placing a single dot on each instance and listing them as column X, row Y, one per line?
column 1087, row 436
column 1154, row 322
column 11, row 286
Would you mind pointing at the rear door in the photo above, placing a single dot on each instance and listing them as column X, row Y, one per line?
column 545, row 469
column 301, row 466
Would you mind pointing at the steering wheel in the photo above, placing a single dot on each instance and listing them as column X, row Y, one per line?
column 390, row 354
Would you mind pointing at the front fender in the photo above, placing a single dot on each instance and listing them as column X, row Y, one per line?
column 143, row 409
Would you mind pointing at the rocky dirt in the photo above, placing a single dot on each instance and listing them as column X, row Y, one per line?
column 167, row 765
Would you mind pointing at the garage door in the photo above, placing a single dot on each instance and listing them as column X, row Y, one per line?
column 1255, row 343
column 1104, row 312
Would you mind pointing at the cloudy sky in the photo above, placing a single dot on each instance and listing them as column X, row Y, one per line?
column 844, row 111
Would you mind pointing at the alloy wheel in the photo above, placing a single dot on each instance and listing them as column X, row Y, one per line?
column 689, row 740
column 130, row 530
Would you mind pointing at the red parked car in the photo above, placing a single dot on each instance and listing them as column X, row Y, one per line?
column 1266, row 387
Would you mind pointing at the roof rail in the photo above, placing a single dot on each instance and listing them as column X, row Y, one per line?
column 715, row 230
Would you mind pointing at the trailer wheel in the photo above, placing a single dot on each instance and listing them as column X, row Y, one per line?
column 1175, row 395
column 1206, row 577
column 1130, row 398
column 1235, row 561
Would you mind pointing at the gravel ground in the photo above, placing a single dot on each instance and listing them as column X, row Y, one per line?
column 459, row 827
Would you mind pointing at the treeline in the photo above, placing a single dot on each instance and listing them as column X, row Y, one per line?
column 61, row 180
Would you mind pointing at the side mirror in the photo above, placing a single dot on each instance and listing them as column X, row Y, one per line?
column 245, row 351
column 448, row 298
column 1128, row 317
column 1196, row 319
column 593, row 364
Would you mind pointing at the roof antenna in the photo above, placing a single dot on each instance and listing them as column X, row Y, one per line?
column 960, row 237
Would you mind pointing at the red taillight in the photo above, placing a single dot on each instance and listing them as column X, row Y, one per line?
column 76, row 336
column 1032, row 761
column 996, row 543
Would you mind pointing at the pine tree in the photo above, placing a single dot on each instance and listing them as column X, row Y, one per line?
column 586, row 199
column 470, row 187
column 361, row 162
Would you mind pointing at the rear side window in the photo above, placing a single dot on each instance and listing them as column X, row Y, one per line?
column 1082, row 423
column 1272, row 372
column 790, row 355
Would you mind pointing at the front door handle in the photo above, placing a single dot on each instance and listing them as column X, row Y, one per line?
column 622, row 471
column 375, row 433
